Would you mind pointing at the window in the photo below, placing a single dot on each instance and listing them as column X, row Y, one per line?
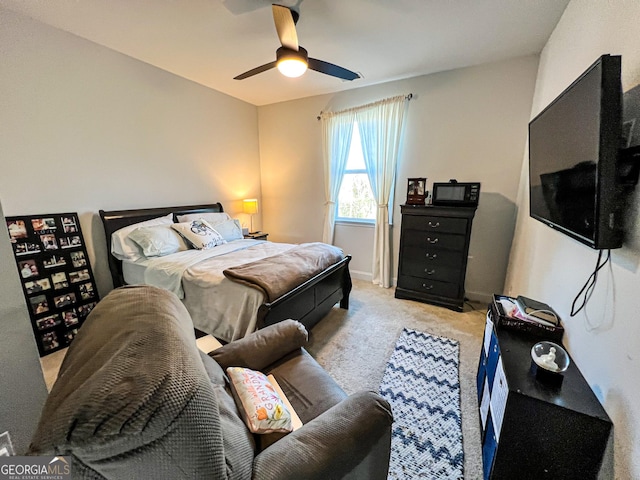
column 355, row 201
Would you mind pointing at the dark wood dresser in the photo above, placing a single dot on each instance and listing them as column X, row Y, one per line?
column 434, row 244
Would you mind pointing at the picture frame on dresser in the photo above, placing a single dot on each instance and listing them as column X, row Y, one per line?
column 416, row 191
column 56, row 277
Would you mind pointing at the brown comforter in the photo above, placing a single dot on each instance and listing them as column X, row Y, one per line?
column 278, row 274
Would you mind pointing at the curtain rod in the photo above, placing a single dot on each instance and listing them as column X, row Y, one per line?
column 407, row 97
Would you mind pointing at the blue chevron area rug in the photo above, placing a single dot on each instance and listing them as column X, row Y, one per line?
column 422, row 385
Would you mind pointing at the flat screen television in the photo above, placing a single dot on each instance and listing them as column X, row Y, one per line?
column 574, row 144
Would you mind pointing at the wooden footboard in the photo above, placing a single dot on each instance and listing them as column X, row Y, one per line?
column 311, row 301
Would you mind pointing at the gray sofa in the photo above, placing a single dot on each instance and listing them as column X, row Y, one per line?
column 136, row 399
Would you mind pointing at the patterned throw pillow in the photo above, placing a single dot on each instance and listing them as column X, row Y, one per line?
column 258, row 401
column 199, row 234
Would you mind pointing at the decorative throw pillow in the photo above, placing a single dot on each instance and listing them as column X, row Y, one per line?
column 123, row 248
column 199, row 234
column 158, row 240
column 259, row 403
column 229, row 229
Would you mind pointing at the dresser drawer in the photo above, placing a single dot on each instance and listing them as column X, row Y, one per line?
column 447, row 241
column 426, row 269
column 432, row 287
column 432, row 256
column 435, row 224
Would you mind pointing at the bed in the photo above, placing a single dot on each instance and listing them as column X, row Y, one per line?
column 307, row 302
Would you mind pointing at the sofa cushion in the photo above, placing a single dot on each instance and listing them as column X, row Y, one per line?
column 238, row 441
column 132, row 386
column 333, row 444
column 214, row 371
column 307, row 386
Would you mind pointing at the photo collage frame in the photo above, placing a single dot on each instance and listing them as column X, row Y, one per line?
column 56, row 277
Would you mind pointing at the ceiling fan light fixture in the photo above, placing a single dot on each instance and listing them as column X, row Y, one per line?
column 291, row 59
column 292, row 67
column 292, row 63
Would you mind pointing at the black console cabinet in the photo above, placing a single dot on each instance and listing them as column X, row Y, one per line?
column 533, row 428
column 434, row 244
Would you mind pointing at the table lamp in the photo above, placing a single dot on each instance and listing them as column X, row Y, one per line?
column 250, row 206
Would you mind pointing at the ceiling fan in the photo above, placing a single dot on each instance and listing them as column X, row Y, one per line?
column 291, row 59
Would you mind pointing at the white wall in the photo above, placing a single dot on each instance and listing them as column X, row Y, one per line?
column 22, row 388
column 469, row 124
column 85, row 128
column 604, row 340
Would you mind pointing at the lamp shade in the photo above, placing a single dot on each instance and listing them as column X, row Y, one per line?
column 250, row 205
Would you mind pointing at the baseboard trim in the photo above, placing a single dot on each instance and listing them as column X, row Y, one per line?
column 479, row 296
column 361, row 275
column 368, row 277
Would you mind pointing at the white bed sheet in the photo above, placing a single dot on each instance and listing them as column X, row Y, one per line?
column 218, row 306
column 133, row 272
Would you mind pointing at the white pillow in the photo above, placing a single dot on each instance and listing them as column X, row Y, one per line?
column 158, row 240
column 199, row 234
column 229, row 229
column 123, row 248
column 212, row 217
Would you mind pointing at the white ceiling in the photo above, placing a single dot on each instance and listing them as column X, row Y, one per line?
column 212, row 41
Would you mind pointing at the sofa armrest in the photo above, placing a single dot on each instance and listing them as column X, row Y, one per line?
column 330, row 445
column 263, row 347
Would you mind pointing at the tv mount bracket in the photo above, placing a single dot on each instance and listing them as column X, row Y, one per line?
column 629, row 166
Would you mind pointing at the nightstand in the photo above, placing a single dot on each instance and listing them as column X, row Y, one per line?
column 257, row 235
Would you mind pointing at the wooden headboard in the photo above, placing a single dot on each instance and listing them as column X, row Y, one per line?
column 116, row 219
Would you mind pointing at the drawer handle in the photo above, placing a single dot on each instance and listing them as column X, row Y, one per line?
column 432, row 240
column 427, row 287
column 429, row 272
column 431, row 257
column 434, row 225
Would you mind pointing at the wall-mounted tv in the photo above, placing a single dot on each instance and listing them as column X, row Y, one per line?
column 574, row 145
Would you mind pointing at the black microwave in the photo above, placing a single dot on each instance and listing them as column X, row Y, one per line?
column 456, row 194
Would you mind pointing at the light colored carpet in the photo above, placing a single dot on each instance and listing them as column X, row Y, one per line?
column 354, row 346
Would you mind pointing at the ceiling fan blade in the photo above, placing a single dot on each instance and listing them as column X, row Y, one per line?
column 255, row 71
column 331, row 69
column 286, row 26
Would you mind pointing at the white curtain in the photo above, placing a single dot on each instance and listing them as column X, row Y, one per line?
column 336, row 140
column 380, row 125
